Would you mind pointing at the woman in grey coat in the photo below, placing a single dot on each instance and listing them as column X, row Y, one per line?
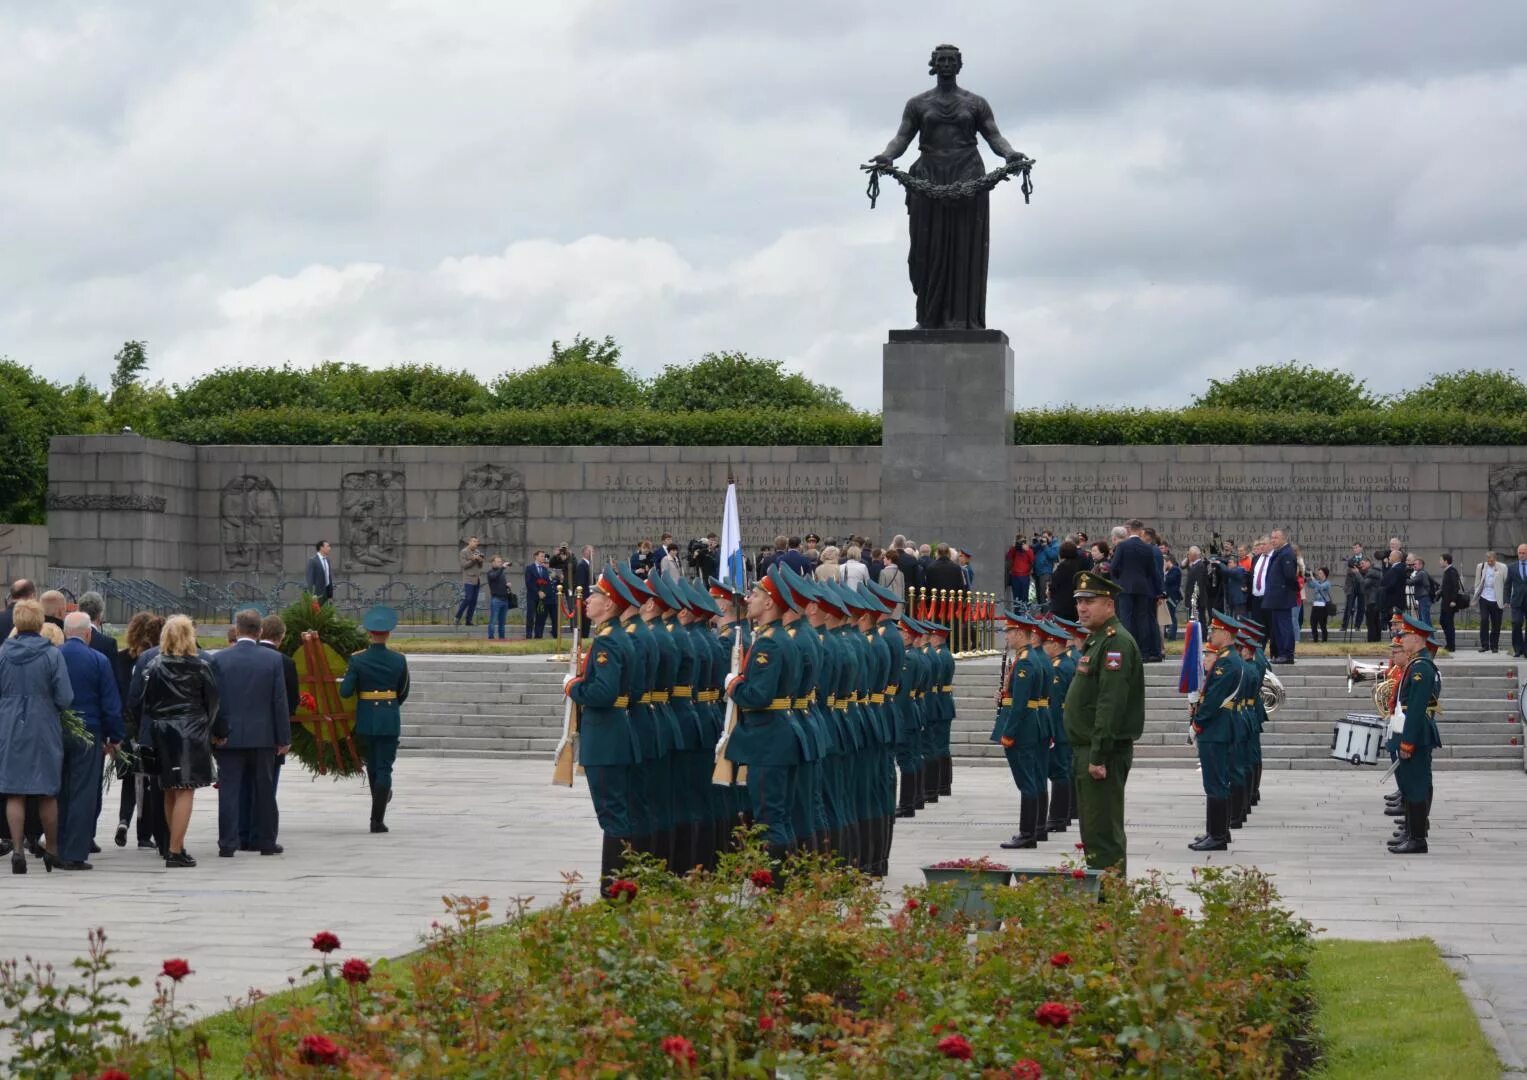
column 34, row 691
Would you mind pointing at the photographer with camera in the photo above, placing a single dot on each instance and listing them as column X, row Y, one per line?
column 472, row 558
column 1046, row 554
column 704, row 557
column 1352, row 611
column 1019, row 562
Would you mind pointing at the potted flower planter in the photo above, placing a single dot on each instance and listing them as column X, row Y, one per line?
column 970, row 878
column 1087, row 880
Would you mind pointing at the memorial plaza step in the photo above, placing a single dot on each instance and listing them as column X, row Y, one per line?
column 511, row 707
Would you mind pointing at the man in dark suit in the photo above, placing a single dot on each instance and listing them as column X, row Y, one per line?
column 944, row 573
column 272, row 632
column 320, row 573
column 1516, row 600
column 251, row 683
column 539, row 595
column 1195, row 586
column 1454, row 599
column 583, row 578
column 793, row 557
column 94, row 605
column 1280, row 596
column 99, row 706
column 1133, row 568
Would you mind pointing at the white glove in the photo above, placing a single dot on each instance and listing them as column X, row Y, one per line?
column 731, row 681
column 568, row 680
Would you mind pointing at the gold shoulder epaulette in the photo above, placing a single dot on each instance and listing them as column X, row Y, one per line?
column 603, row 630
column 791, row 632
column 1110, row 631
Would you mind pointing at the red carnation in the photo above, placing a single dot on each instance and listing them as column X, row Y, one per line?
column 325, row 941
column 680, row 1049
column 1177, row 911
column 113, row 1074
column 356, row 970
column 621, row 887
column 1026, row 1069
column 308, row 701
column 319, row 1050
column 1081, row 847
column 911, row 904
column 765, row 1022
column 761, row 879
column 955, row 1046
column 1060, row 959
column 317, row 609
column 176, row 969
column 1052, row 1014
column 1079, row 874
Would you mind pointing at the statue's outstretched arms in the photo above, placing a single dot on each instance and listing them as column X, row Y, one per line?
column 903, row 137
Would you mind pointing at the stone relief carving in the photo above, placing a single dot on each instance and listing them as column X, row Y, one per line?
column 373, row 526
column 1508, row 507
column 492, row 506
column 249, row 521
column 152, row 504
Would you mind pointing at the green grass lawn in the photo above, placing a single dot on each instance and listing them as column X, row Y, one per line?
column 451, row 646
column 1393, row 1009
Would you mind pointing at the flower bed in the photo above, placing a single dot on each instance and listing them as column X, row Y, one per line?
column 807, row 971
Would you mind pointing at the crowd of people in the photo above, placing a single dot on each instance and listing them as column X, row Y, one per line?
column 166, row 717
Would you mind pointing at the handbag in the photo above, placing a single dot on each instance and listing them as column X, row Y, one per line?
column 514, row 601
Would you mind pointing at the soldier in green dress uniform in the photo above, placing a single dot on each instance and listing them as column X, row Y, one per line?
column 1418, row 697
column 1214, row 720
column 767, row 739
column 379, row 677
column 648, row 824
column 1105, row 714
column 852, row 683
column 1079, row 635
column 822, row 614
column 732, row 626
column 692, row 758
column 1021, row 727
column 943, row 770
column 807, row 803
column 882, row 762
column 1055, row 640
column 608, row 747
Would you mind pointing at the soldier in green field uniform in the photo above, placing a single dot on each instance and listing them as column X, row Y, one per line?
column 1418, row 697
column 608, row 748
column 1020, row 726
column 1055, row 639
column 767, row 739
column 1105, row 714
column 1214, row 720
column 380, row 677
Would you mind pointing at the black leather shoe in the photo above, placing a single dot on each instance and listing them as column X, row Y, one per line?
column 1409, row 846
column 95, row 849
column 1396, row 810
column 121, row 838
column 178, row 859
column 1208, row 843
column 226, row 853
column 248, row 847
column 146, row 844
column 906, row 813
column 71, row 864
column 5, row 848
column 1019, row 842
column 274, row 849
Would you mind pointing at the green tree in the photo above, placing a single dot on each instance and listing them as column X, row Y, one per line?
column 734, row 380
column 1287, row 388
column 585, row 350
column 332, row 386
column 132, row 362
column 32, row 410
column 1483, row 393
column 568, row 382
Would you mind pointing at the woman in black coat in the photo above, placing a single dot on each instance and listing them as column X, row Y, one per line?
column 1063, row 582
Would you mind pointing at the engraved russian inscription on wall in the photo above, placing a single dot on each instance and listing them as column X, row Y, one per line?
column 249, row 524
column 639, row 502
column 373, row 527
column 1326, row 507
column 492, row 507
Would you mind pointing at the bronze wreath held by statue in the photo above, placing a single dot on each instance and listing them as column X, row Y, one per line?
column 964, row 189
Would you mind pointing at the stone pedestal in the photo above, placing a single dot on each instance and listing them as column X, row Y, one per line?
column 947, row 433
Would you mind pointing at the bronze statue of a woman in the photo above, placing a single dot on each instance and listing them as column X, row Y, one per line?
column 949, row 237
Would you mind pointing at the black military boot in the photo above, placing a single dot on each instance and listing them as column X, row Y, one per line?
column 1042, row 814
column 1217, row 834
column 1060, row 807
column 946, row 775
column 906, row 799
column 379, row 798
column 1027, row 805
column 611, row 857
column 1415, row 843
column 930, row 785
column 1236, row 820
column 919, row 792
column 1256, row 785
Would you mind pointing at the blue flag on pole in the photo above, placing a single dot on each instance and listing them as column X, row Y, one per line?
column 733, row 569
column 1191, row 680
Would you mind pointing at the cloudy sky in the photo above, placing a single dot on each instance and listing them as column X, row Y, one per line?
column 458, row 182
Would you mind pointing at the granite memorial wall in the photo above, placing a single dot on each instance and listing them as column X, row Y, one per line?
column 166, row 511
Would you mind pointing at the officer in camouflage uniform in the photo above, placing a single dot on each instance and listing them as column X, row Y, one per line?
column 379, row 677
column 1105, row 714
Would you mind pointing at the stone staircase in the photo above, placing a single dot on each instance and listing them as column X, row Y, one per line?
column 486, row 707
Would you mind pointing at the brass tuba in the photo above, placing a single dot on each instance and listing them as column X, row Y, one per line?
column 1273, row 693
column 1377, row 673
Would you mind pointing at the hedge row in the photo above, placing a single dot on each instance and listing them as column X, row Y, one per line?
column 1392, row 426
column 596, row 426
column 568, row 426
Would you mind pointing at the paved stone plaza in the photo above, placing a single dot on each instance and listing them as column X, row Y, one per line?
column 499, row 829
